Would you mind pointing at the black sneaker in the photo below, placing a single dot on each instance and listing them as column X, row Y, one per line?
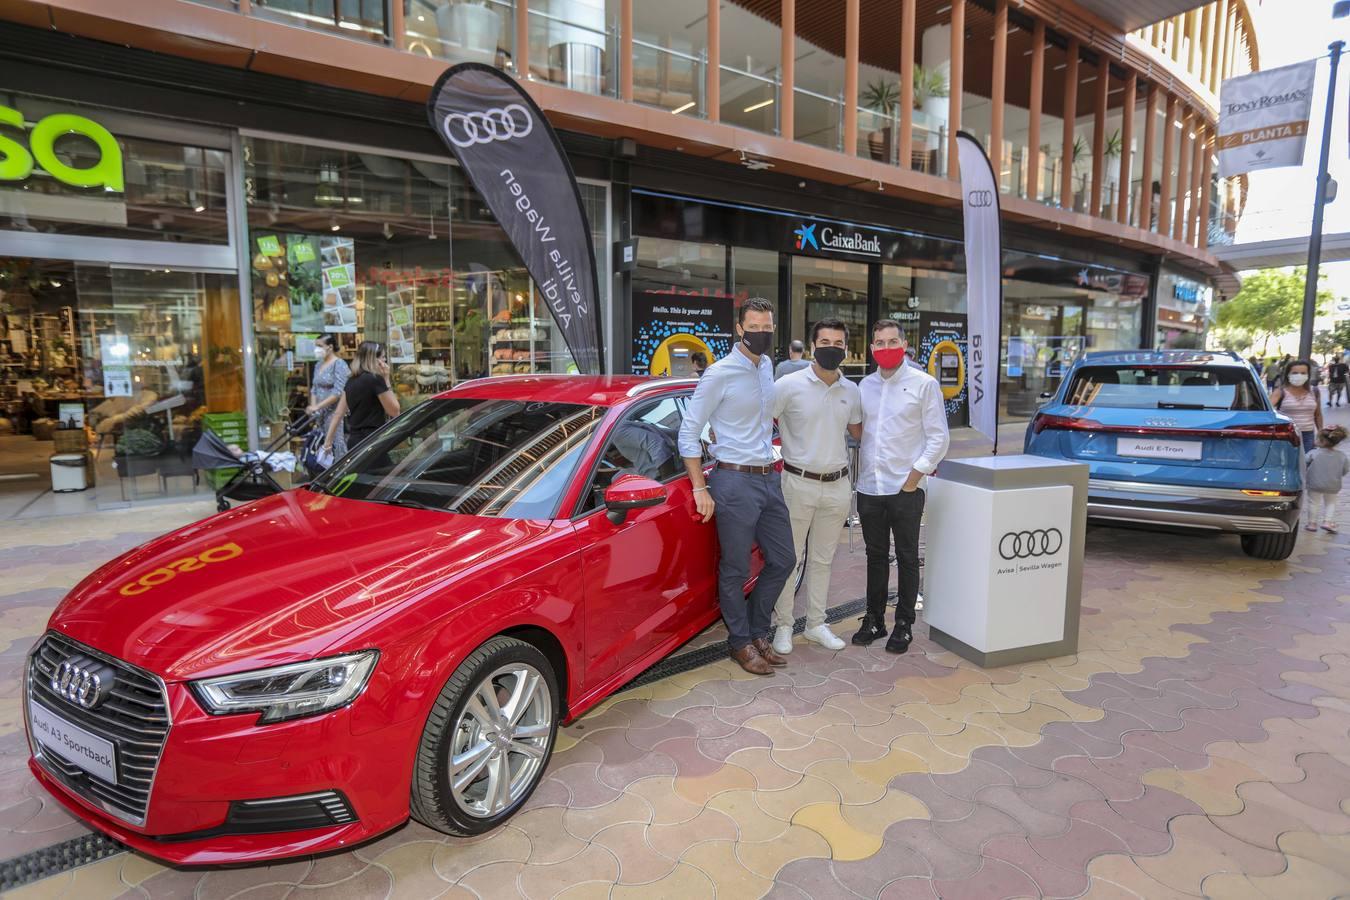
column 900, row 639
column 870, row 630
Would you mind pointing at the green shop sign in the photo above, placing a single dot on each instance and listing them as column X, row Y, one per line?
column 17, row 161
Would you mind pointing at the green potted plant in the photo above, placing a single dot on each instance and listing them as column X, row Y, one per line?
column 270, row 381
column 137, row 447
column 930, row 91
column 882, row 97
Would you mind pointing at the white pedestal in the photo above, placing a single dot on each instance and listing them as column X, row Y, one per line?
column 1004, row 561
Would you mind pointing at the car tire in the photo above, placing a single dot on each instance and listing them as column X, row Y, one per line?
column 1270, row 546
column 472, row 723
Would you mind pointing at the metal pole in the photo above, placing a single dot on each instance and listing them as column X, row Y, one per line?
column 1319, row 204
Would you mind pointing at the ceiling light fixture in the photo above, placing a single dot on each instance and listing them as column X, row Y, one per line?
column 760, row 105
column 350, row 26
column 333, row 225
column 387, row 231
column 681, row 109
column 199, row 208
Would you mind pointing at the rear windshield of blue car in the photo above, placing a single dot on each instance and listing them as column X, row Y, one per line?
column 1165, row 387
column 511, row 459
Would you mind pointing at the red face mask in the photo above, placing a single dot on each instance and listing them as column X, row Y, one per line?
column 889, row 358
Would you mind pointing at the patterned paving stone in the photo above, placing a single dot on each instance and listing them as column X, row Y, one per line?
column 1199, row 740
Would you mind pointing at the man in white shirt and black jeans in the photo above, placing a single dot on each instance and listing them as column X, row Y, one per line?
column 814, row 407
column 904, row 438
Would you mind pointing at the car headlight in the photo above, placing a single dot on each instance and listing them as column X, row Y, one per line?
column 289, row 692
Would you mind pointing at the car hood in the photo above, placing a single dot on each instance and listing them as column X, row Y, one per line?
column 279, row 581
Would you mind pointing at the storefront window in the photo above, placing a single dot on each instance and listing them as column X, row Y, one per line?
column 750, row 75
column 83, row 178
column 670, row 57
column 830, row 288
column 575, row 43
column 361, row 19
column 1184, row 305
column 460, row 32
column 754, row 273
column 402, row 251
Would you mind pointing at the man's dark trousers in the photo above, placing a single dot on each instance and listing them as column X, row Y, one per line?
column 895, row 515
column 750, row 510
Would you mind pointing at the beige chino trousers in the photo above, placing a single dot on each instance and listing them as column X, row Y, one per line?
column 817, row 509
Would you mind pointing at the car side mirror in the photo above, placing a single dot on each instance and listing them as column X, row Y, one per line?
column 629, row 492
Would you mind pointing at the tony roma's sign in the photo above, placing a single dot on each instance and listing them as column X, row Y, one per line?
column 1263, row 118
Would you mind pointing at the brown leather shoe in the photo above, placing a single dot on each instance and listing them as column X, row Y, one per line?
column 750, row 660
column 771, row 656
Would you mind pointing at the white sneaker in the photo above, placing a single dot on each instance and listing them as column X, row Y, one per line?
column 823, row 636
column 782, row 640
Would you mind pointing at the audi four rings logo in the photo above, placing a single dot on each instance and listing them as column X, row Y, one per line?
column 82, row 681
column 467, row 129
column 1026, row 544
column 980, row 198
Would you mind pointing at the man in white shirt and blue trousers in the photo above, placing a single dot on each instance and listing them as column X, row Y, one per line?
column 814, row 407
column 744, row 494
column 904, row 438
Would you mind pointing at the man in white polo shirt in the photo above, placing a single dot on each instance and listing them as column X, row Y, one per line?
column 814, row 407
column 904, row 438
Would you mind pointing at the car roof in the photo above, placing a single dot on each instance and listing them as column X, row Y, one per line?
column 595, row 390
column 1161, row 358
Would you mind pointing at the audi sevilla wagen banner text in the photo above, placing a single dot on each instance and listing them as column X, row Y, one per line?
column 463, row 602
column 513, row 158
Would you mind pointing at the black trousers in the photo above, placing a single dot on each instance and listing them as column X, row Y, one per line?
column 750, row 511
column 883, row 518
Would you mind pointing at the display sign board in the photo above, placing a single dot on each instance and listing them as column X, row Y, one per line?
column 941, row 349
column 668, row 327
column 1263, row 118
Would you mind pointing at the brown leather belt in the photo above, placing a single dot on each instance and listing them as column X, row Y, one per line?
column 815, row 476
column 753, row 470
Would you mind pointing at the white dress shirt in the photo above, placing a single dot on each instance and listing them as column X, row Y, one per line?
column 812, row 416
column 904, row 428
column 736, row 397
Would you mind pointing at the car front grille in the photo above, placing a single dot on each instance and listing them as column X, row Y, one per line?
column 134, row 717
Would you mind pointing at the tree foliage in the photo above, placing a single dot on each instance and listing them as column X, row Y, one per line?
column 1269, row 304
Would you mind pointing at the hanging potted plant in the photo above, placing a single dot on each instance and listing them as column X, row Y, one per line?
column 882, row 97
column 473, row 25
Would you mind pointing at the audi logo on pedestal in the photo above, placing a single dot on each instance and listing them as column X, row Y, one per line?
column 980, row 198
column 83, row 681
column 1026, row 544
column 467, row 129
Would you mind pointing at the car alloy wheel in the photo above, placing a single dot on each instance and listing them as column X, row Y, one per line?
column 499, row 743
column 487, row 739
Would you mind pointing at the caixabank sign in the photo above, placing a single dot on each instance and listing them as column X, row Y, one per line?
column 25, row 150
column 816, row 237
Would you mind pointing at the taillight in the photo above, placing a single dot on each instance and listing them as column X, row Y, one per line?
column 1065, row 423
column 1274, row 432
column 1280, row 431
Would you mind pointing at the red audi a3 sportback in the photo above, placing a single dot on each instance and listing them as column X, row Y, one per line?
column 401, row 637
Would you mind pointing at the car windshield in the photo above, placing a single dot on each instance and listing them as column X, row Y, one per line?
column 507, row 458
column 1164, row 387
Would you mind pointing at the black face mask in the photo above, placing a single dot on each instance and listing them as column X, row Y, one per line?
column 758, row 342
column 829, row 358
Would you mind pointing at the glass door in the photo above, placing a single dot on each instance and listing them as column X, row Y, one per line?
column 830, row 288
column 161, row 352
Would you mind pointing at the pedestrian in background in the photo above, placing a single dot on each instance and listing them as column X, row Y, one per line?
column 814, row 407
column 904, row 438
column 699, row 360
column 1327, row 468
column 1337, row 375
column 744, row 494
column 325, row 388
column 1300, row 401
column 367, row 400
column 794, row 362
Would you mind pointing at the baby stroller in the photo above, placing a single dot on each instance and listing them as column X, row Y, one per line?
column 253, row 480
